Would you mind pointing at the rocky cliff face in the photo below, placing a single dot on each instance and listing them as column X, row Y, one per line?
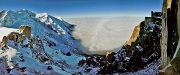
column 165, row 59
column 25, row 30
column 142, row 49
column 3, row 42
column 134, row 35
column 170, row 38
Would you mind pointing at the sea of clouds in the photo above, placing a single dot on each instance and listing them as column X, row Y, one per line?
column 99, row 35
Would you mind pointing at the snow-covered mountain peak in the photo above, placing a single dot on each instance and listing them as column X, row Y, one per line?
column 41, row 40
column 42, row 25
column 58, row 17
column 14, row 19
column 43, row 17
column 38, row 15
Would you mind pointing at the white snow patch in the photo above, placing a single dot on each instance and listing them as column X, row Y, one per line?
column 139, row 48
column 127, row 58
column 26, row 41
column 5, row 31
column 58, row 17
column 94, row 71
column 8, row 54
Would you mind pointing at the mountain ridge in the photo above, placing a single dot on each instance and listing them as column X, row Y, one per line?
column 42, row 44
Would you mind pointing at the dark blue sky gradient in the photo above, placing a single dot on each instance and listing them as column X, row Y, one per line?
column 86, row 8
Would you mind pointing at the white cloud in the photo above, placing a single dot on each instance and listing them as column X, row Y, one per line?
column 104, row 34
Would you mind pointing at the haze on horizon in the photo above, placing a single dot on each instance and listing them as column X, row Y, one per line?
column 86, row 8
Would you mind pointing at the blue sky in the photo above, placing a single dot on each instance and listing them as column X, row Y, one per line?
column 86, row 8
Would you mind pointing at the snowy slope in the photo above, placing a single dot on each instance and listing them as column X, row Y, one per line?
column 42, row 24
column 53, row 50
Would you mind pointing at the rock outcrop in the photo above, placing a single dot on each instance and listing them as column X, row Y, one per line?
column 107, row 53
column 22, row 39
column 17, row 37
column 170, row 43
column 134, row 35
column 25, row 30
column 3, row 42
column 164, row 39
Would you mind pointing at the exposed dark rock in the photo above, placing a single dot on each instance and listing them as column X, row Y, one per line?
column 172, row 29
column 142, row 49
column 51, row 43
column 23, row 69
column 110, row 57
column 49, row 68
column 68, row 54
column 22, row 58
column 8, row 70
